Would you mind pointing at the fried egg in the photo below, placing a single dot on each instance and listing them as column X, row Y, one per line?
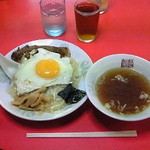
column 43, row 69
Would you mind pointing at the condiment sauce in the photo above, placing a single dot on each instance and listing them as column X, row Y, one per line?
column 123, row 91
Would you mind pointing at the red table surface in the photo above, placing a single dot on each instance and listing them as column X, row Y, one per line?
column 125, row 28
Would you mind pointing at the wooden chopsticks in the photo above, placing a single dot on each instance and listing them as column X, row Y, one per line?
column 128, row 133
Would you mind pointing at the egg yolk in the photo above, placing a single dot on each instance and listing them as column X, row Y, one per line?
column 47, row 68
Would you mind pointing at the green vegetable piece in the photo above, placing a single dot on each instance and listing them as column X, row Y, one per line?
column 71, row 95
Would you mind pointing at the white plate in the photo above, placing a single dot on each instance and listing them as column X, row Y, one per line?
column 5, row 99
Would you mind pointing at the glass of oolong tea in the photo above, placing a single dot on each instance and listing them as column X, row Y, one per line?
column 87, row 17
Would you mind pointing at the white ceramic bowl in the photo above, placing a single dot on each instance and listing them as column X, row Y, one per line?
column 114, row 61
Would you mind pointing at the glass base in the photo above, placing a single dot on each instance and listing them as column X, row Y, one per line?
column 86, row 41
column 102, row 11
column 55, row 32
column 103, row 8
column 87, row 38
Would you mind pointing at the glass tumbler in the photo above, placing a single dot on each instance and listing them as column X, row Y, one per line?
column 53, row 14
column 87, row 17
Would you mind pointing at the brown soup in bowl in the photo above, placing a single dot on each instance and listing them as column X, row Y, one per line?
column 123, row 91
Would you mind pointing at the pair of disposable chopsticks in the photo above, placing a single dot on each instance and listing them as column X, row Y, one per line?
column 128, row 133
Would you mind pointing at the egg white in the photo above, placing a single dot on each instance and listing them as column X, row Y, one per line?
column 26, row 79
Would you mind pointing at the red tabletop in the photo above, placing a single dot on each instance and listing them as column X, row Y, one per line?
column 125, row 28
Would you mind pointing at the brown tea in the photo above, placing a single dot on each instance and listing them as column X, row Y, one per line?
column 87, row 15
column 123, row 91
